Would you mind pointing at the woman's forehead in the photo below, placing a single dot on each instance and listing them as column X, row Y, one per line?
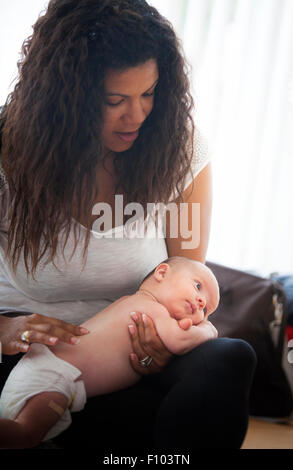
column 143, row 75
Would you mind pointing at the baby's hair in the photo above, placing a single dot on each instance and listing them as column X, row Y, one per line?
column 171, row 261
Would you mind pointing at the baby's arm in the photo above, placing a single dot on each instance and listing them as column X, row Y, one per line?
column 178, row 340
column 36, row 418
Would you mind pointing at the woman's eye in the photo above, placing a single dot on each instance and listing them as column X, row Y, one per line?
column 145, row 95
column 114, row 104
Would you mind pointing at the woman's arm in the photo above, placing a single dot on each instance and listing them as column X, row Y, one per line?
column 202, row 194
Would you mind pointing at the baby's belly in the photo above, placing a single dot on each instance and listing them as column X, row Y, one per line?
column 106, row 361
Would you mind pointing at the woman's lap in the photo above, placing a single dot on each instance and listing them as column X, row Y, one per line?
column 199, row 400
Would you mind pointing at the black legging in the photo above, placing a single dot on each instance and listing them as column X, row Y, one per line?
column 200, row 400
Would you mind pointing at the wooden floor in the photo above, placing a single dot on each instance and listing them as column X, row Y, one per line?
column 262, row 434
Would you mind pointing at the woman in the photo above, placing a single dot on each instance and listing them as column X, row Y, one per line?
column 102, row 108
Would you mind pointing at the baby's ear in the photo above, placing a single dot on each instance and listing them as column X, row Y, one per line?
column 185, row 323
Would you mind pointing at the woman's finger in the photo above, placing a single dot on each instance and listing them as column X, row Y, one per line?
column 75, row 330
column 19, row 346
column 141, row 345
column 151, row 338
column 136, row 345
column 138, row 354
column 157, row 348
column 33, row 336
column 146, row 342
column 135, row 363
column 51, row 334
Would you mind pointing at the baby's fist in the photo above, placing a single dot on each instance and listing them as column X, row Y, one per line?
column 185, row 323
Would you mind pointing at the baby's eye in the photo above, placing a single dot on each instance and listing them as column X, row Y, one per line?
column 198, row 285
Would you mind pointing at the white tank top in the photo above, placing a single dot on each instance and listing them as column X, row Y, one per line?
column 117, row 261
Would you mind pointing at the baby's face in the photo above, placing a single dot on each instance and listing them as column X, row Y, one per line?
column 193, row 291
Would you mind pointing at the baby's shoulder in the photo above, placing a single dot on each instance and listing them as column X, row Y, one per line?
column 148, row 306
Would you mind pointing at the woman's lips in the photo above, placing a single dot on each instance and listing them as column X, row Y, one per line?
column 127, row 136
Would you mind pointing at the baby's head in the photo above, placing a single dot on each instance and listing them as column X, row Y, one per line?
column 187, row 288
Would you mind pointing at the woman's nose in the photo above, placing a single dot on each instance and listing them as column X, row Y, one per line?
column 135, row 115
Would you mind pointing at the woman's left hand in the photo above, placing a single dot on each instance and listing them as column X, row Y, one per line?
column 147, row 344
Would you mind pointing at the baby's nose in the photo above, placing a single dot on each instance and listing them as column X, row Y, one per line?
column 201, row 302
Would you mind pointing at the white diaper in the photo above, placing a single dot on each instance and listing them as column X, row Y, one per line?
column 39, row 370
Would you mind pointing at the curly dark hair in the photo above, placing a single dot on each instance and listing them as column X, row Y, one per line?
column 52, row 121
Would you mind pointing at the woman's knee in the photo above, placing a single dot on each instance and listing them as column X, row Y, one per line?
column 233, row 354
column 241, row 351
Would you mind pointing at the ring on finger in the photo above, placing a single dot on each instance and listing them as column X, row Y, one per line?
column 24, row 336
column 146, row 361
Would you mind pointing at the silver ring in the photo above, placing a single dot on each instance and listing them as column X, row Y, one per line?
column 146, row 361
column 24, row 336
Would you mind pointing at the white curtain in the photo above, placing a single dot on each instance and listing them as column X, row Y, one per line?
column 241, row 52
column 16, row 20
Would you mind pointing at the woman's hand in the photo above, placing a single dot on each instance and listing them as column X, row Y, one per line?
column 146, row 343
column 39, row 328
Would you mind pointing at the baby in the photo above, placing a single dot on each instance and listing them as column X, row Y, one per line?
column 179, row 295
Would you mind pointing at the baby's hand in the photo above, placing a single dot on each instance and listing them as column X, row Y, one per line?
column 185, row 323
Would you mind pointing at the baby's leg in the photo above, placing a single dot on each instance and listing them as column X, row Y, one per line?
column 36, row 418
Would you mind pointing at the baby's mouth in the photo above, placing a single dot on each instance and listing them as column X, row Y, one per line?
column 192, row 306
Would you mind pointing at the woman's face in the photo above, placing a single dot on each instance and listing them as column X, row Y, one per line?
column 129, row 101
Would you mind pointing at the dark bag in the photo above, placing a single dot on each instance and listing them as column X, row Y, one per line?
column 254, row 309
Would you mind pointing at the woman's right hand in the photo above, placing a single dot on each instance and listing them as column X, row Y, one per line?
column 41, row 329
